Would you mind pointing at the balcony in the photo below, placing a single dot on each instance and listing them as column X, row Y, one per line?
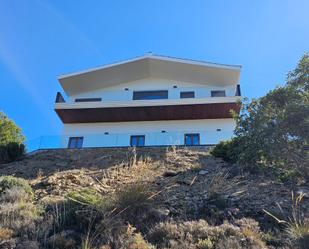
column 104, row 140
column 146, row 110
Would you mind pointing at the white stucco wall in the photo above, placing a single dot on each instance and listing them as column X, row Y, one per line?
column 119, row 133
column 118, row 92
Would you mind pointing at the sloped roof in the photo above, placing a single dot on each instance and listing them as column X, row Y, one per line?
column 150, row 66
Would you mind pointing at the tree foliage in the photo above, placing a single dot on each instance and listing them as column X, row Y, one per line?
column 9, row 131
column 274, row 130
column 11, row 140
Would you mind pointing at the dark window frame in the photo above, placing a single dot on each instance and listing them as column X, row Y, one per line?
column 214, row 92
column 76, row 142
column 142, row 95
column 138, row 138
column 187, row 95
column 192, row 135
column 88, row 99
column 238, row 91
column 59, row 98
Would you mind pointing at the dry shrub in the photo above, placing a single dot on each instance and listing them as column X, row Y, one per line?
column 229, row 243
column 15, row 194
column 251, row 230
column 113, row 233
column 220, row 184
column 64, row 243
column 17, row 211
column 181, row 156
column 134, row 197
column 61, row 241
column 8, row 182
column 20, row 216
column 192, row 234
column 6, row 233
column 296, row 225
column 133, row 240
column 135, row 204
column 204, row 244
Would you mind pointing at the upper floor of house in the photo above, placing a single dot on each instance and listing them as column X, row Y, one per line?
column 155, row 89
column 150, row 80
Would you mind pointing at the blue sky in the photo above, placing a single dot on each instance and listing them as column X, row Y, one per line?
column 42, row 39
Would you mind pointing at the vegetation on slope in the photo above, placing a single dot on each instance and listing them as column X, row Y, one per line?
column 273, row 131
column 150, row 198
column 11, row 140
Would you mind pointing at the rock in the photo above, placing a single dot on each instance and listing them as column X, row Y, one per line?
column 170, row 173
column 28, row 244
column 234, row 171
column 163, row 212
column 62, row 164
column 62, row 240
column 203, row 172
column 184, row 181
column 7, row 244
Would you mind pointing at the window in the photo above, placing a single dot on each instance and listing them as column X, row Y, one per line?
column 192, row 139
column 184, row 95
column 88, row 100
column 138, row 95
column 220, row 93
column 238, row 92
column 75, row 142
column 137, row 141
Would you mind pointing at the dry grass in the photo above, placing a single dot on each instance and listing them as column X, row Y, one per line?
column 17, row 211
column 183, row 157
column 220, row 184
column 192, row 234
column 6, row 233
column 296, row 225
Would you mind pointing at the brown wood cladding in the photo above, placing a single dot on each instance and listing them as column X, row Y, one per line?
column 147, row 113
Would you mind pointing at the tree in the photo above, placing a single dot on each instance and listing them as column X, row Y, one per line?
column 274, row 130
column 9, row 131
column 11, row 140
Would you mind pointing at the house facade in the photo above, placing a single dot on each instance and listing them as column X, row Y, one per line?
column 149, row 101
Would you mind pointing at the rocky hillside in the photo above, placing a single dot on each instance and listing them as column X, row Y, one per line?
column 186, row 190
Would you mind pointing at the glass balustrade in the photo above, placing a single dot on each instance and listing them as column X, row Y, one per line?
column 165, row 138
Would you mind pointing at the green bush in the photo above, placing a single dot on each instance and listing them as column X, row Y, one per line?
column 227, row 150
column 11, row 151
column 83, row 207
column 87, row 197
column 9, row 182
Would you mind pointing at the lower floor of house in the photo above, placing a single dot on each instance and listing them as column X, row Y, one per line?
column 148, row 133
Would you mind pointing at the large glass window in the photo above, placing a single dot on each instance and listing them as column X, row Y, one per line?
column 75, row 142
column 137, row 141
column 219, row 93
column 138, row 95
column 192, row 139
column 184, row 95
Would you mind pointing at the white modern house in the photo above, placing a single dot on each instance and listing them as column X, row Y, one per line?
column 149, row 101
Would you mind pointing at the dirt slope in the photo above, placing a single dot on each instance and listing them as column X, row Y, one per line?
column 180, row 176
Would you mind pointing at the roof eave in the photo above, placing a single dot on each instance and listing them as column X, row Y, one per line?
column 158, row 57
